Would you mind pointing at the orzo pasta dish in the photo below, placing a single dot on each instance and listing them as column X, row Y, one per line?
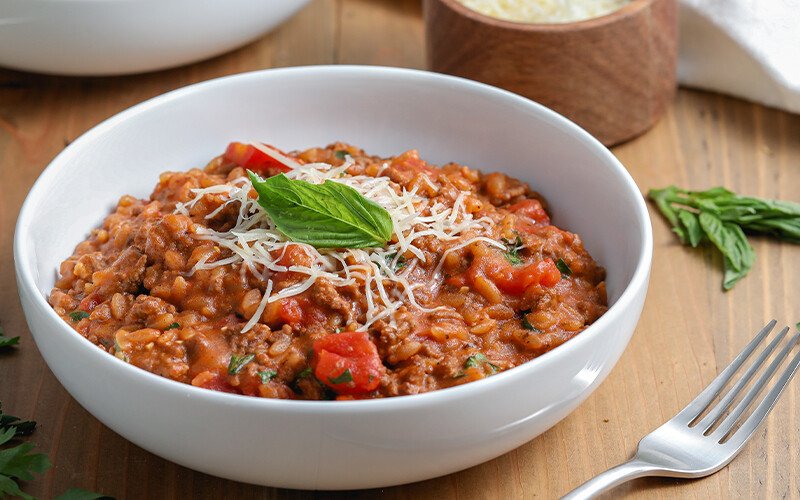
column 329, row 274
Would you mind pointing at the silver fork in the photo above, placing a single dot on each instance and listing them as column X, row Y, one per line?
column 688, row 446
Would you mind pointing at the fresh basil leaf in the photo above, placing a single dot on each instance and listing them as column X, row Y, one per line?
column 81, row 494
column 732, row 242
column 663, row 199
column 328, row 215
column 267, row 375
column 564, row 268
column 238, row 362
column 694, row 233
column 78, row 315
column 343, row 378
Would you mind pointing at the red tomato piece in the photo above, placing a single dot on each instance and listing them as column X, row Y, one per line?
column 410, row 160
column 515, row 280
column 252, row 158
column 348, row 363
column 90, row 302
column 218, row 383
column 531, row 209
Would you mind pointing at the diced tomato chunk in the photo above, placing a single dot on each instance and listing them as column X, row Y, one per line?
column 410, row 160
column 348, row 363
column 252, row 158
column 218, row 383
column 515, row 280
column 90, row 302
column 531, row 209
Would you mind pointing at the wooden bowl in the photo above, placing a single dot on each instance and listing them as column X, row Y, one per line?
column 614, row 75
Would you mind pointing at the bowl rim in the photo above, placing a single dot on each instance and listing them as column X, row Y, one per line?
column 630, row 9
column 637, row 283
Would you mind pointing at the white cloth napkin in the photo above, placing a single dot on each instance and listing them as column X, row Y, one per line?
column 746, row 48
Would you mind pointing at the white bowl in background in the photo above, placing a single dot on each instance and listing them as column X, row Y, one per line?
column 344, row 444
column 112, row 37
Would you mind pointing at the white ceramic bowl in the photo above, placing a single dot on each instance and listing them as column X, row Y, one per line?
column 111, row 37
column 347, row 444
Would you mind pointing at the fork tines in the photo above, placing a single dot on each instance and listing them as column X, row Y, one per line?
column 725, row 425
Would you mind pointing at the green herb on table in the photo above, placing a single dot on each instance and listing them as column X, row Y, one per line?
column 328, row 215
column 564, row 268
column 81, row 494
column 267, row 375
column 21, row 427
column 78, row 315
column 17, row 463
column 238, row 362
column 343, row 378
column 513, row 248
column 722, row 218
column 6, row 341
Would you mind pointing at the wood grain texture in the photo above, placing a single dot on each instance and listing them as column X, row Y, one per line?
column 689, row 328
column 613, row 75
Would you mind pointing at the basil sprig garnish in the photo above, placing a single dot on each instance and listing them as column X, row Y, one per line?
column 328, row 215
column 722, row 217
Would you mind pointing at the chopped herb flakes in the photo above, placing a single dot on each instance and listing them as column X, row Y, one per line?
column 341, row 154
column 173, row 325
column 527, row 324
column 478, row 361
column 344, row 378
column 267, row 375
column 78, row 315
column 399, row 261
column 513, row 248
column 562, row 266
column 305, row 373
column 238, row 362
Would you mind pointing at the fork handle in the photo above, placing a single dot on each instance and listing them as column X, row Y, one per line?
column 611, row 478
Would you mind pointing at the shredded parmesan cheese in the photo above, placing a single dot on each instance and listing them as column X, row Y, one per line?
column 383, row 273
column 545, row 11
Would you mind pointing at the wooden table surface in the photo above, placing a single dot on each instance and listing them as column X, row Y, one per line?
column 689, row 328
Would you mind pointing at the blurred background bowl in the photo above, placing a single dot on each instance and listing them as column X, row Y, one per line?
column 112, row 37
column 613, row 75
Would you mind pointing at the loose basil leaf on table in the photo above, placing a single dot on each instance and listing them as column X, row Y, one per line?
column 724, row 218
column 328, row 215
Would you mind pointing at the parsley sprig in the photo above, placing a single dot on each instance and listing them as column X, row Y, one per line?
column 723, row 218
column 6, row 341
column 17, row 463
